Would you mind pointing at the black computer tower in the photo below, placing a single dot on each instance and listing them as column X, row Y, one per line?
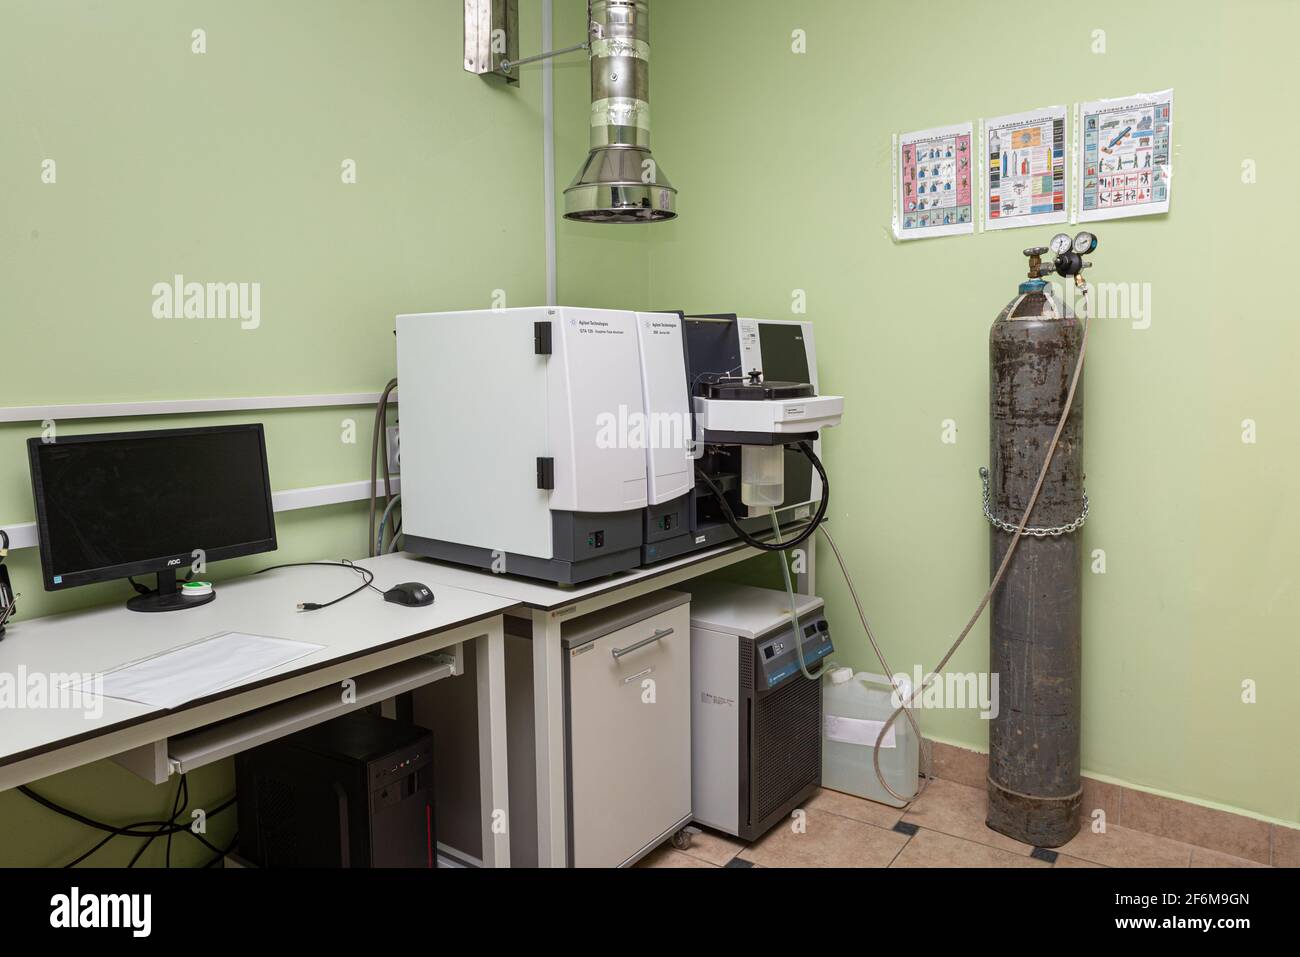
column 356, row 791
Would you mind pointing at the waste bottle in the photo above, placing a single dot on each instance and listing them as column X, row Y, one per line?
column 854, row 708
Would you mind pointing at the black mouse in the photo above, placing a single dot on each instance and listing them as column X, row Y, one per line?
column 409, row 593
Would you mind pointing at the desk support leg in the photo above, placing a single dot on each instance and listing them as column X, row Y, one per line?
column 548, row 722
column 490, row 651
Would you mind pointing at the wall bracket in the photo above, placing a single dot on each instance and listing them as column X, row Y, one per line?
column 492, row 37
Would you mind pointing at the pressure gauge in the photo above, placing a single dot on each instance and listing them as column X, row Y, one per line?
column 1060, row 243
column 1084, row 243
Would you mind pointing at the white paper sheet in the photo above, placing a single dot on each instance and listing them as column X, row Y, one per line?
column 192, row 671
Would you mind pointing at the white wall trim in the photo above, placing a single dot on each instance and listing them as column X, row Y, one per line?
column 123, row 410
column 23, row 534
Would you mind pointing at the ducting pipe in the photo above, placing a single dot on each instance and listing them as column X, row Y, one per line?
column 620, row 182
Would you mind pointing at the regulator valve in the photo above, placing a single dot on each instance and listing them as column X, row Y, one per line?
column 1068, row 256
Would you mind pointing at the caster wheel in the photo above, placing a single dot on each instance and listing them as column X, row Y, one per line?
column 682, row 839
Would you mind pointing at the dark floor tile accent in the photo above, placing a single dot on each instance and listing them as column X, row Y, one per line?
column 1043, row 854
column 737, row 862
column 902, row 827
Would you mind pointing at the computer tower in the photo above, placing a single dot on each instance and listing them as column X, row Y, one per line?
column 356, row 791
column 755, row 718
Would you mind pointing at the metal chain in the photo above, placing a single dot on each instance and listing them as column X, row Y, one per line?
column 1053, row 531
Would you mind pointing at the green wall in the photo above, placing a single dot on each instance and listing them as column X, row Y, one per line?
column 783, row 166
column 227, row 166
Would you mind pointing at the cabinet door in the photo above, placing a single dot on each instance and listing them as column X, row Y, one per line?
column 630, row 737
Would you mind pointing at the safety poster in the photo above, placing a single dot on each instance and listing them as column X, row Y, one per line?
column 1023, row 169
column 1125, row 156
column 934, row 194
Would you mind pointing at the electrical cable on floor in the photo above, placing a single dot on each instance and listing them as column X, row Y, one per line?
column 222, row 855
column 182, row 803
column 181, row 788
column 125, row 830
column 1011, row 547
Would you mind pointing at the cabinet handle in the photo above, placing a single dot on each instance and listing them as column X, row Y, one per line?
column 659, row 633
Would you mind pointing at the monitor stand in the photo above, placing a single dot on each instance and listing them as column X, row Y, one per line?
column 168, row 597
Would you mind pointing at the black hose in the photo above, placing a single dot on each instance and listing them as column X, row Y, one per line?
column 803, row 536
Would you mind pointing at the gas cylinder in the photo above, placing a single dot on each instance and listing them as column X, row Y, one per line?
column 1035, row 618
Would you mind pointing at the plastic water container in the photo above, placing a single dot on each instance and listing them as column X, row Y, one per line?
column 854, row 708
column 762, row 475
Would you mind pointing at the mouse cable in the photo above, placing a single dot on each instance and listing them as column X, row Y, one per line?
column 344, row 563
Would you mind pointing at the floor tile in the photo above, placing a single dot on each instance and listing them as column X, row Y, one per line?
column 852, row 806
column 713, row 847
column 828, row 841
column 1205, row 827
column 934, row 849
column 1202, row 857
column 668, row 856
column 959, row 811
column 1064, row 860
column 1124, row 847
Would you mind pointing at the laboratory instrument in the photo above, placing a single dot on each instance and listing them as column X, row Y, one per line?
column 756, row 722
column 568, row 443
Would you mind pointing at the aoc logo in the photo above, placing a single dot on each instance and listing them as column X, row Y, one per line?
column 133, row 911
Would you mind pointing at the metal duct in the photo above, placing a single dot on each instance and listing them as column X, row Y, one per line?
column 620, row 182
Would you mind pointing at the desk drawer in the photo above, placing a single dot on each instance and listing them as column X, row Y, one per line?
column 629, row 731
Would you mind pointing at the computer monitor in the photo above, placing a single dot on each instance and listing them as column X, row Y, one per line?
column 133, row 503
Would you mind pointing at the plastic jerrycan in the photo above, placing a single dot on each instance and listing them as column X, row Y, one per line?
column 854, row 708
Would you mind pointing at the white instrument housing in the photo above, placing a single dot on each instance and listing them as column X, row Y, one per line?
column 770, row 416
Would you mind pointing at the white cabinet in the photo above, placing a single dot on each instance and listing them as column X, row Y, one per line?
column 628, row 724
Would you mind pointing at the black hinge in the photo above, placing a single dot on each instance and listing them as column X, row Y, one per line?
column 545, row 473
column 542, row 338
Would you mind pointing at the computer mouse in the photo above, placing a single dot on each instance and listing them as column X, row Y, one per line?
column 409, row 593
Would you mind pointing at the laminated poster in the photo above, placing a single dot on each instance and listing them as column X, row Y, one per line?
column 933, row 185
column 1023, row 169
column 1125, row 156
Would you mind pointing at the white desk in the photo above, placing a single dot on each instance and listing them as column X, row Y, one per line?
column 547, row 606
column 360, row 636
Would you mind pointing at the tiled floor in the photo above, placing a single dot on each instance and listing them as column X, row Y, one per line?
column 943, row 828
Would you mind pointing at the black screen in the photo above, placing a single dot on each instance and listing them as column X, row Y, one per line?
column 147, row 497
column 784, row 357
